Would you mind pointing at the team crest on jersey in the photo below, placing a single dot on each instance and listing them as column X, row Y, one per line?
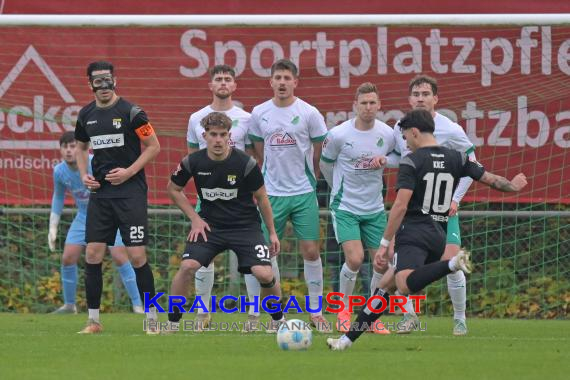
column 295, row 120
column 380, row 142
column 235, row 123
column 117, row 123
column 232, row 179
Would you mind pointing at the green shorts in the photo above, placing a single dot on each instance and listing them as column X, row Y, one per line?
column 367, row 228
column 304, row 212
column 453, row 232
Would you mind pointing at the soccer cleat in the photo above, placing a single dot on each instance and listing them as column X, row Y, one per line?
column 460, row 328
column 274, row 326
column 152, row 327
column 252, row 324
column 321, row 324
column 202, row 322
column 170, row 328
column 378, row 328
column 138, row 309
column 93, row 327
column 339, row 344
column 343, row 321
column 462, row 262
column 66, row 309
column 407, row 324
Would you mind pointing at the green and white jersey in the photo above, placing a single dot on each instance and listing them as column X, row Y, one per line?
column 357, row 187
column 447, row 134
column 238, row 139
column 288, row 134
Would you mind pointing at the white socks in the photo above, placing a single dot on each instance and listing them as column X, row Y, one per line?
column 204, row 282
column 375, row 282
column 456, row 285
column 409, row 306
column 93, row 314
column 347, row 282
column 314, row 280
column 253, row 289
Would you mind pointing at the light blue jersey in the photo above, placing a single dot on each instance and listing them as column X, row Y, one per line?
column 67, row 179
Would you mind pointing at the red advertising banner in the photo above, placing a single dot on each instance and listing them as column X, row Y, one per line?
column 190, row 7
column 507, row 86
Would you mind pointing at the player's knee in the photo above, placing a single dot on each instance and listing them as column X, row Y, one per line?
column 189, row 267
column 137, row 255
column 267, row 283
column 354, row 262
column 309, row 250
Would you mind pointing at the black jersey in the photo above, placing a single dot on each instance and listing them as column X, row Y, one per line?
column 115, row 144
column 225, row 187
column 433, row 173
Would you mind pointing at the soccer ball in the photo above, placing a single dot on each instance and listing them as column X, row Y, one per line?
column 294, row 335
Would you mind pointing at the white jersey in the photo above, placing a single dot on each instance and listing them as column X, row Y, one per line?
column 447, row 134
column 238, row 138
column 288, row 134
column 356, row 187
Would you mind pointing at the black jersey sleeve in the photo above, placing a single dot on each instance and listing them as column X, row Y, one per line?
column 472, row 169
column 252, row 177
column 406, row 174
column 138, row 117
column 183, row 173
column 80, row 132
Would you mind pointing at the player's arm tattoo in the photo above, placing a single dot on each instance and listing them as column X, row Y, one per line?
column 497, row 182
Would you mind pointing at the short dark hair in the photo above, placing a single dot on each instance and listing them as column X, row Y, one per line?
column 366, row 88
column 285, row 64
column 99, row 65
column 222, row 69
column 216, row 119
column 421, row 79
column 67, row 138
column 420, row 119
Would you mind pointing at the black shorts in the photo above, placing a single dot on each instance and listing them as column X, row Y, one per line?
column 129, row 215
column 419, row 241
column 248, row 244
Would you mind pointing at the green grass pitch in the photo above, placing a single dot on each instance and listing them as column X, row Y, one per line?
column 34, row 346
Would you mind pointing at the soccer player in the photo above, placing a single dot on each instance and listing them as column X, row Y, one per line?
column 115, row 128
column 423, row 95
column 222, row 84
column 66, row 178
column 350, row 165
column 287, row 134
column 227, row 180
column 426, row 181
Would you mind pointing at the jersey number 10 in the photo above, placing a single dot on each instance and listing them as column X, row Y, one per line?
column 432, row 193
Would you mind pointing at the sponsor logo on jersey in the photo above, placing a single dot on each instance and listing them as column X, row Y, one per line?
column 204, row 173
column 232, row 179
column 107, row 141
column 219, row 193
column 326, row 142
column 349, row 144
column 364, row 162
column 117, row 123
column 280, row 139
column 91, row 122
